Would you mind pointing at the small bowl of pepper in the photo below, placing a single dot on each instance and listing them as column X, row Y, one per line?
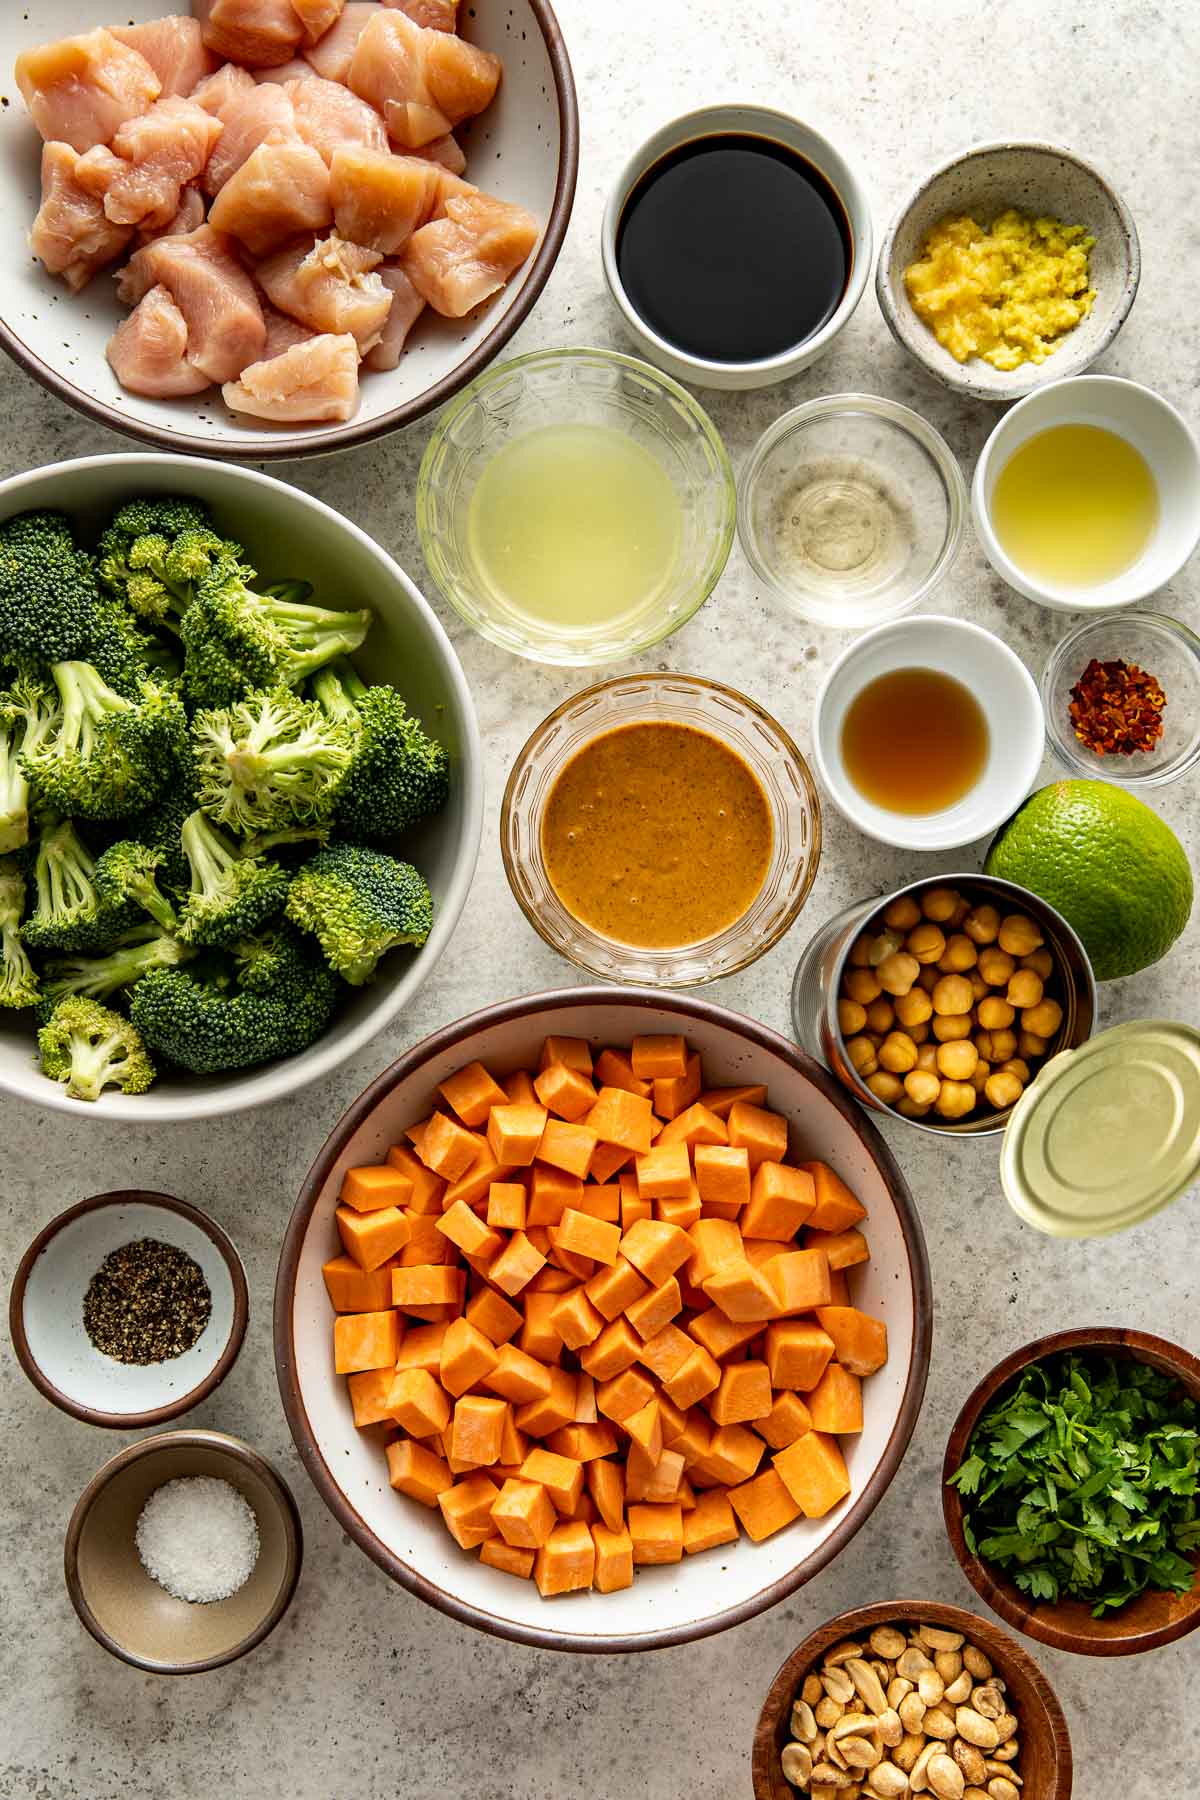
column 1121, row 696
column 128, row 1309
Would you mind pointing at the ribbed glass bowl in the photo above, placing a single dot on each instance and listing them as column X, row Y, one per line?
column 559, row 387
column 740, row 725
column 1165, row 649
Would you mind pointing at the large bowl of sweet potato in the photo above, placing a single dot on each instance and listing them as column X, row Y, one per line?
column 603, row 1320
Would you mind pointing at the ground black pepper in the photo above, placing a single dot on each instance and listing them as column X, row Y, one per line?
column 147, row 1302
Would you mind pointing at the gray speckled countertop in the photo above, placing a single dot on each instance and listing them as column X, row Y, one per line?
column 363, row 1691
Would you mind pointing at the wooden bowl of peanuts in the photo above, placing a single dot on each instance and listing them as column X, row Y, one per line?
column 939, row 1003
column 911, row 1697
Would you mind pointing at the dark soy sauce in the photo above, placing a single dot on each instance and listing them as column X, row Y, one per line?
column 734, row 248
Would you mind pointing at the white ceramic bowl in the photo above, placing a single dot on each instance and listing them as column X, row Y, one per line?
column 524, row 148
column 285, row 531
column 702, row 1594
column 1148, row 422
column 1037, row 178
column 758, row 121
column 1000, row 683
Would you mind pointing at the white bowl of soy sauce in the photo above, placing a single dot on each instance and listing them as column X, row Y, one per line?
column 736, row 244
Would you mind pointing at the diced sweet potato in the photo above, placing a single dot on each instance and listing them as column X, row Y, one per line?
column 657, row 1533
column 606, row 1160
column 467, row 1231
column 566, row 1562
column 576, row 1320
column 556, row 1409
column 369, row 1393
column 551, row 1192
column 614, row 1068
column 472, row 1189
column 574, row 1053
column 478, row 1429
column 744, row 1394
column 696, row 1127
column 714, row 1241
column 673, row 1094
column 447, row 1147
column 814, row 1472
column 681, row 1210
column 506, row 1206
column 427, row 1187
column 560, row 1476
column 583, row 1443
column 836, row 1208
column 516, row 1264
column 665, row 1353
column 567, row 1093
column 699, row 1374
column 762, row 1134
column 517, row 1377
column 427, row 1285
column 709, row 1523
column 523, row 1513
column 506, row 1557
column 375, row 1185
column 781, row 1199
column 582, row 1235
column 859, row 1341
column 723, row 1174
column 490, row 1313
column 733, row 1454
column 601, row 1202
column 514, row 1133
column 354, row 1289
column 539, row 1334
column 614, row 1559
column 722, row 1100
column 836, row 1401
column 467, row 1510
column 615, row 1350
column 633, row 1206
column 719, row 1334
column 662, row 1056
column 467, row 1357
column 418, row 1403
column 742, row 1292
column 606, row 1485
column 655, row 1479
column 422, row 1348
column 650, row 1312
column 370, row 1238
column 624, row 1395
column 797, row 1353
column 369, row 1340
column 471, row 1093
column 621, row 1119
column 799, row 1279
column 843, row 1249
column 763, row 1505
column 417, row 1472
column 656, row 1250
column 567, row 1147
column 787, row 1420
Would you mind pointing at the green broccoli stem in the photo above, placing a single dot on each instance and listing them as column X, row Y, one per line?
column 14, row 796
column 86, row 700
column 96, row 1063
column 63, row 872
column 18, row 979
column 150, row 897
column 211, row 856
column 339, row 687
column 95, row 978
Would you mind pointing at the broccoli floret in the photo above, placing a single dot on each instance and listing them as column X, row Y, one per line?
column 71, row 914
column 238, row 640
column 270, row 762
column 109, row 756
column 359, row 904
column 162, row 828
column 47, row 592
column 28, row 713
column 89, row 1048
column 203, row 1021
column 231, row 894
column 99, row 978
column 399, row 775
column 18, row 979
column 127, row 873
column 277, row 960
column 155, row 552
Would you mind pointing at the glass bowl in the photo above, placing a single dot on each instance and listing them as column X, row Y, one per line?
column 558, row 387
column 851, row 509
column 740, row 725
column 1165, row 649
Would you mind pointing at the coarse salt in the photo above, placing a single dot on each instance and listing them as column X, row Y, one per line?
column 198, row 1537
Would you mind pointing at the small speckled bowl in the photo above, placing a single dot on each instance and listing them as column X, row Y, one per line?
column 1041, row 179
column 125, row 1609
column 46, row 1311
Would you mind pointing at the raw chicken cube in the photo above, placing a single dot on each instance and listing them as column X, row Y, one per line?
column 162, row 151
column 329, row 115
column 314, row 380
column 81, row 88
column 423, row 82
column 407, row 307
column 457, row 262
column 380, row 200
column 174, row 48
column 331, row 55
column 296, row 70
column 72, row 234
column 282, row 332
column 212, row 290
column 461, row 78
column 219, row 93
column 317, row 17
column 251, row 118
column 330, row 285
column 437, row 15
column 148, row 350
column 188, row 217
column 444, row 150
column 279, row 191
column 255, row 33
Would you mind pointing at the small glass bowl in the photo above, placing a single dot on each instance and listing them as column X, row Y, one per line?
column 554, row 387
column 1165, row 649
column 678, row 700
column 886, row 507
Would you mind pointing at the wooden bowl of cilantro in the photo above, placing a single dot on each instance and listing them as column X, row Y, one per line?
column 1071, row 1491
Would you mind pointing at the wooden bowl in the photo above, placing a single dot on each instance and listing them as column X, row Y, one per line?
column 1045, row 1762
column 666, row 1605
column 125, row 1609
column 1148, row 1622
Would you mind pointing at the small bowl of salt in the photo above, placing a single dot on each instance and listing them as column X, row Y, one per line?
column 183, row 1552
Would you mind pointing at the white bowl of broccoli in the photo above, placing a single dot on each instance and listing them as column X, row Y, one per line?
column 240, row 809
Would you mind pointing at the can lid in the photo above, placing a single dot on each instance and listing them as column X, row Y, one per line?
column 1106, row 1134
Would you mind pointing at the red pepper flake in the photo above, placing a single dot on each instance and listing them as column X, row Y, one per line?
column 1116, row 708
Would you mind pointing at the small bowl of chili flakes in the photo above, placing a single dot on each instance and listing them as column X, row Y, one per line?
column 1122, row 699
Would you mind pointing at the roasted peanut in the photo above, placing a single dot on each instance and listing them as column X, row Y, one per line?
column 867, row 1684
column 1000, row 1788
column 907, row 1751
column 887, row 1781
column 988, row 1700
column 911, row 1661
column 837, row 1684
column 897, row 1687
column 959, row 1690
column 930, row 1686
column 939, row 1723
column 828, row 1712
column 970, row 1761
column 811, row 1690
column 918, row 1779
column 860, row 1752
column 796, row 1762
column 804, row 1725
column 948, row 1664
column 912, row 1712
column 945, row 1778
column 891, row 1728
column 975, row 1728
column 976, row 1662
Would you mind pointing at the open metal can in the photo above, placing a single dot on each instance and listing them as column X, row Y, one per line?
column 818, row 979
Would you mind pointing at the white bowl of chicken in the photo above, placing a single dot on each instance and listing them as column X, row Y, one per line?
column 281, row 226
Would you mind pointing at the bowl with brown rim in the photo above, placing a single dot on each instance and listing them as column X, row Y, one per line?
column 666, row 1605
column 1148, row 1622
column 120, row 1603
column 1045, row 1761
column 45, row 1311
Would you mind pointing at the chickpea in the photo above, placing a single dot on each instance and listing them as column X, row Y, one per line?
column 979, row 986
column 1041, row 962
column 862, row 985
column 1004, row 1045
column 1043, row 1019
column 1018, row 1068
column 926, row 942
column 883, row 945
column 927, row 1058
column 938, row 904
column 861, row 1054
column 909, row 1108
column 898, row 972
column 859, row 955
column 982, row 924
column 881, row 1016
column 902, row 913
column 1029, row 1046
column 918, row 1033
column 1002, row 1089
column 979, row 1075
column 952, row 995
column 929, row 977
column 957, row 1060
column 1019, row 935
column 1025, row 989
column 885, row 1086
column 897, row 1054
column 851, row 1017
column 960, row 954
column 956, row 1099
column 922, row 1086
column 983, row 1043
column 995, row 966
column 874, row 1038
column 995, row 1013
column 948, row 1028
column 914, row 1007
